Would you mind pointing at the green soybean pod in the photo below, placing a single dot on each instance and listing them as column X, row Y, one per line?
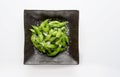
column 37, row 39
column 55, row 52
column 55, row 25
column 62, row 49
column 59, row 33
column 45, row 29
column 54, row 33
column 42, row 49
column 48, row 37
column 43, row 24
column 33, row 39
column 64, row 29
column 48, row 49
column 58, row 42
column 36, row 29
column 63, row 44
column 33, row 31
column 51, row 31
column 54, row 22
column 62, row 24
column 40, row 36
column 52, row 39
column 39, row 48
column 67, row 39
column 51, row 46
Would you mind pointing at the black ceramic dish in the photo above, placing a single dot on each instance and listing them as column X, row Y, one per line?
column 35, row 17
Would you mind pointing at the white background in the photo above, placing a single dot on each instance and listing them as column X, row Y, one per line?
column 99, row 39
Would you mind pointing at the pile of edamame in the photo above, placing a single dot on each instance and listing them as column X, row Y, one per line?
column 50, row 37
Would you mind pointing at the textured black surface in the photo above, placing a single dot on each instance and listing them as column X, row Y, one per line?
column 35, row 17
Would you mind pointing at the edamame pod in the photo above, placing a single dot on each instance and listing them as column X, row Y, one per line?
column 59, row 33
column 47, row 37
column 36, row 29
column 33, row 31
column 59, row 24
column 43, row 24
column 52, row 39
column 51, row 31
column 40, row 36
column 33, row 39
column 54, row 33
column 51, row 46
column 54, row 22
column 55, row 52
column 58, row 42
column 62, row 24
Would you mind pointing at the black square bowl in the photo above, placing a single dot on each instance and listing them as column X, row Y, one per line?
column 34, row 17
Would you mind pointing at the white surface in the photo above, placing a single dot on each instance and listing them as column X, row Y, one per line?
column 99, row 39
